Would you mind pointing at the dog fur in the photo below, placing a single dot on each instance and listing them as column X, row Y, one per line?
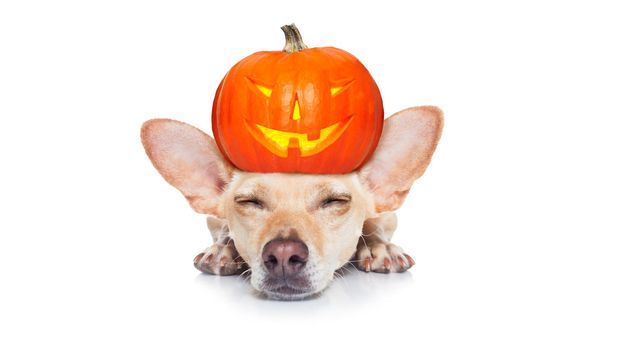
column 340, row 218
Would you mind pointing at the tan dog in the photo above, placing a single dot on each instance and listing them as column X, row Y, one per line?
column 295, row 230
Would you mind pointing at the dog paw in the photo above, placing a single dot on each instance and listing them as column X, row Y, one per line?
column 382, row 257
column 220, row 259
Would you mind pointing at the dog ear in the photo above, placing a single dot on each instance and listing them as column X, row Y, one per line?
column 406, row 146
column 189, row 160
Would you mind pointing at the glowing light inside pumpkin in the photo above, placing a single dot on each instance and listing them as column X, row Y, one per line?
column 278, row 141
column 264, row 90
column 337, row 89
column 296, row 114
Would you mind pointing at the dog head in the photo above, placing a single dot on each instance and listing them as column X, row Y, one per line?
column 294, row 230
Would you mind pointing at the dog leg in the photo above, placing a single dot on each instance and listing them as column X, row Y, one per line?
column 221, row 258
column 374, row 251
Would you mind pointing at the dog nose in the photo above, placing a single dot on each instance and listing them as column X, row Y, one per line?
column 285, row 257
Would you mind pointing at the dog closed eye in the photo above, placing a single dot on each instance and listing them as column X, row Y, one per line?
column 252, row 202
column 337, row 200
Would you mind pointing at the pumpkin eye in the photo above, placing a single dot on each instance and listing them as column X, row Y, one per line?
column 264, row 90
column 337, row 89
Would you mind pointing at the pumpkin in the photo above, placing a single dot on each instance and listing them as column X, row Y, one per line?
column 308, row 110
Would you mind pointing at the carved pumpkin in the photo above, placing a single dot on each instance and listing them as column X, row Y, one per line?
column 314, row 110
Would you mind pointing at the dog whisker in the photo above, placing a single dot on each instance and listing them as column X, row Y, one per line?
column 364, row 242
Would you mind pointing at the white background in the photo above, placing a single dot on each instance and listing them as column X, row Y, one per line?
column 515, row 227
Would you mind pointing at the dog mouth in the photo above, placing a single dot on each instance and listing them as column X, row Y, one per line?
column 285, row 290
column 288, row 293
column 279, row 142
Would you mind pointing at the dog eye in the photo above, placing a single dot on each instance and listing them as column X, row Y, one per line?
column 335, row 201
column 250, row 202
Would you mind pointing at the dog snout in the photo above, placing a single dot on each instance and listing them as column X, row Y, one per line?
column 284, row 257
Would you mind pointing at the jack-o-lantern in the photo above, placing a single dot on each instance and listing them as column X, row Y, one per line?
column 314, row 110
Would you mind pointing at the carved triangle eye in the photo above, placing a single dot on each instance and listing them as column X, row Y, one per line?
column 337, row 89
column 264, row 90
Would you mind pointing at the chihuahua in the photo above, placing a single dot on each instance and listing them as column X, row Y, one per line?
column 293, row 231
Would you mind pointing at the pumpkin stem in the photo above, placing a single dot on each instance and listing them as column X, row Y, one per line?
column 293, row 39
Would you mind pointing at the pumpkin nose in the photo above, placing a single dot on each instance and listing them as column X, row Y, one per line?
column 296, row 114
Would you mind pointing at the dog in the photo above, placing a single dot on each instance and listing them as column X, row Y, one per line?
column 293, row 231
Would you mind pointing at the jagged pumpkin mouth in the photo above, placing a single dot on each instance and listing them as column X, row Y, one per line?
column 280, row 142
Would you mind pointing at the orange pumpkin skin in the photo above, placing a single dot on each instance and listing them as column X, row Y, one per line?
column 315, row 111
